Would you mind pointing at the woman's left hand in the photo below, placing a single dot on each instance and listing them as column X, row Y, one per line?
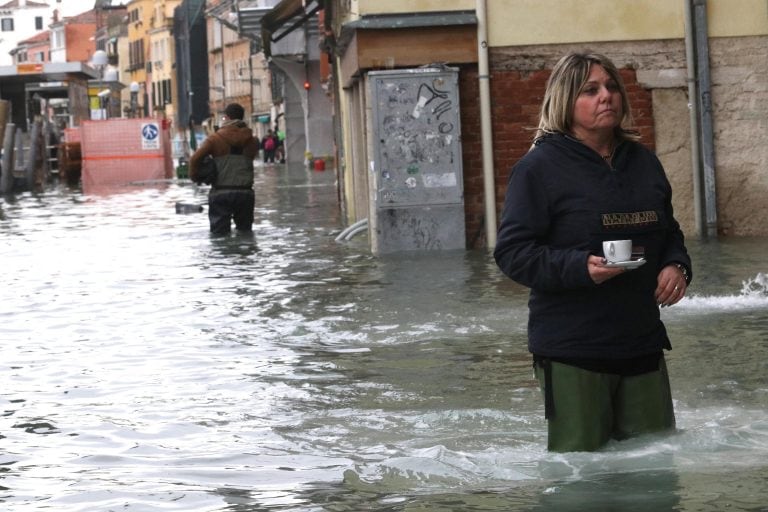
column 670, row 286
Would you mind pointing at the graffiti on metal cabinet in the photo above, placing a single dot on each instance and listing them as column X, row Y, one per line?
column 417, row 128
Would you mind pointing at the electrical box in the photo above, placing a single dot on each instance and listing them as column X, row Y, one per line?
column 417, row 192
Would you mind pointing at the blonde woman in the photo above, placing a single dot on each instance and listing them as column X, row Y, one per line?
column 594, row 328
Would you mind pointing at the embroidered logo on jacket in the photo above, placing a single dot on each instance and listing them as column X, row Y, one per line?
column 629, row 219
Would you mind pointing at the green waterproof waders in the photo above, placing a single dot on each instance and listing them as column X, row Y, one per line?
column 590, row 408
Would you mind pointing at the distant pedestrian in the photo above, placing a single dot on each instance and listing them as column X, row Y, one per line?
column 233, row 148
column 269, row 144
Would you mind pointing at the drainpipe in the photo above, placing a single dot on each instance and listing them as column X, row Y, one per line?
column 705, row 105
column 486, row 134
column 693, row 108
column 223, row 68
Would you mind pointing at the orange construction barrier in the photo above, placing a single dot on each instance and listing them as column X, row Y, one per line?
column 122, row 151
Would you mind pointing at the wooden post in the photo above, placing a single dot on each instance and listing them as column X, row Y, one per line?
column 6, row 178
column 34, row 150
column 18, row 153
column 5, row 113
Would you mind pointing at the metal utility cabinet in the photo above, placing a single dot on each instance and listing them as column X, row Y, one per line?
column 416, row 187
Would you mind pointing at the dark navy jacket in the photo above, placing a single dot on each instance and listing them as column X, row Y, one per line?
column 562, row 202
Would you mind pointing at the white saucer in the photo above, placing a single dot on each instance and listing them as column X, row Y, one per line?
column 630, row 264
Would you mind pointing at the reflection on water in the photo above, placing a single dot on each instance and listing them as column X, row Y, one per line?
column 147, row 366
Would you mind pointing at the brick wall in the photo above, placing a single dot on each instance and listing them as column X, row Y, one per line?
column 640, row 99
column 516, row 96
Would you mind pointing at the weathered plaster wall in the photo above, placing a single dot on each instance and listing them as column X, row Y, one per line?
column 529, row 22
column 673, row 147
column 740, row 104
column 739, row 76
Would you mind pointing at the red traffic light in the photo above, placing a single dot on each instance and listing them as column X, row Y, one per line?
column 307, row 85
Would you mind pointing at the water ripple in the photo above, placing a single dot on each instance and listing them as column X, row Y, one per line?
column 147, row 366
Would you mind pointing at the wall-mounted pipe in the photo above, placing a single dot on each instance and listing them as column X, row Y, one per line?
column 693, row 110
column 705, row 112
column 486, row 132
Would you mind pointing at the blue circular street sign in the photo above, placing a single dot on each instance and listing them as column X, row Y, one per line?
column 149, row 131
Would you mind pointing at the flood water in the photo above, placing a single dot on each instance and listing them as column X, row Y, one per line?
column 147, row 366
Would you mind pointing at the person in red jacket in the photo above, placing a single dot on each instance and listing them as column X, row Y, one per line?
column 233, row 148
column 269, row 144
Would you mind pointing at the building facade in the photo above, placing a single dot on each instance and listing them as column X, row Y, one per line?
column 161, row 68
column 287, row 33
column 191, row 70
column 307, row 67
column 111, row 37
column 136, row 67
column 228, row 56
column 720, row 193
column 22, row 19
column 35, row 49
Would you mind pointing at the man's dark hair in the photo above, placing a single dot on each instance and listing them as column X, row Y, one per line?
column 234, row 111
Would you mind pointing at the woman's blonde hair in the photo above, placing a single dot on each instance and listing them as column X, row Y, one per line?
column 565, row 84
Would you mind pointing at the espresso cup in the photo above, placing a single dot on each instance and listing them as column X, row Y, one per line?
column 617, row 250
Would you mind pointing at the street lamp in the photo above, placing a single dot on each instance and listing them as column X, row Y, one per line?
column 99, row 60
column 134, row 88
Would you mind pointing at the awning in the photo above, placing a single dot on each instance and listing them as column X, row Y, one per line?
column 249, row 22
column 44, row 71
column 225, row 12
column 266, row 25
column 284, row 18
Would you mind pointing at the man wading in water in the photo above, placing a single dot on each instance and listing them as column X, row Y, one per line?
column 233, row 148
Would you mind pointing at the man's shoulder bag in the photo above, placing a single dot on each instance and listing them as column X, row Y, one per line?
column 207, row 171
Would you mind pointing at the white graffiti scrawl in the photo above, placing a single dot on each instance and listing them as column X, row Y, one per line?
column 419, row 138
